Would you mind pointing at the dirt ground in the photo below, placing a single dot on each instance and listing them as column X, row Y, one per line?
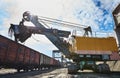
column 56, row 73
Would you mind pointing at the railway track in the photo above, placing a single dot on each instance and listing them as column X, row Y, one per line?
column 58, row 73
column 12, row 73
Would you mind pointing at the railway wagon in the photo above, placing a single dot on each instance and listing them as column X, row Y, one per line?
column 54, row 62
column 48, row 62
column 18, row 56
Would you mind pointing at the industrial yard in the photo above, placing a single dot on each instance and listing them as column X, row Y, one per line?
column 79, row 52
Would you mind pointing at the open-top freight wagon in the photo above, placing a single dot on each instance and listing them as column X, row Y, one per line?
column 18, row 56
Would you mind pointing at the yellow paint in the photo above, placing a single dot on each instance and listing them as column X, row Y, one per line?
column 96, row 44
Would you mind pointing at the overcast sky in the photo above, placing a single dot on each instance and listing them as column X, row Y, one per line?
column 95, row 13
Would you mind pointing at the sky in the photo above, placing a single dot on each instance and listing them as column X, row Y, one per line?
column 94, row 13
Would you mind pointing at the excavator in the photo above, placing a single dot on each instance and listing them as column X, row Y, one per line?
column 22, row 32
column 83, row 50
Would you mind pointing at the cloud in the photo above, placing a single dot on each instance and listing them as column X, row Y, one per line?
column 97, row 14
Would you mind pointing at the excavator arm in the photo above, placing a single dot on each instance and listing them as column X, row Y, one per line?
column 54, row 35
